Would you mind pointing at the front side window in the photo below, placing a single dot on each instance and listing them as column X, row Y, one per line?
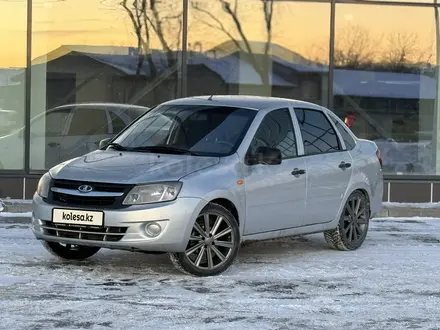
column 276, row 131
column 197, row 129
column 317, row 133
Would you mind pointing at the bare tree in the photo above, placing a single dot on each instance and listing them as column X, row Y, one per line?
column 355, row 48
column 403, row 51
column 153, row 19
column 243, row 44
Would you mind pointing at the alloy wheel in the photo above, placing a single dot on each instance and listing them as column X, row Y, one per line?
column 355, row 219
column 211, row 242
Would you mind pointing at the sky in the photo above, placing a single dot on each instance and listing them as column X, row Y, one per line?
column 300, row 27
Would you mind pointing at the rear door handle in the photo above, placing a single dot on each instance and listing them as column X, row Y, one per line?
column 297, row 172
column 344, row 165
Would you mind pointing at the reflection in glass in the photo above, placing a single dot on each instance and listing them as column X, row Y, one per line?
column 257, row 48
column 12, row 82
column 111, row 53
column 385, row 82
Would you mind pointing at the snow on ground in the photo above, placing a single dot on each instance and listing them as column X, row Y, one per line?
column 392, row 282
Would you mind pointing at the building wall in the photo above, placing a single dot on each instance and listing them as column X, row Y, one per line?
column 384, row 74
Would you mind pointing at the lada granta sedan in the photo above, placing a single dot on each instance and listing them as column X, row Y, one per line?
column 196, row 177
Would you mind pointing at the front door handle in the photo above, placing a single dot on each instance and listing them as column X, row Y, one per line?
column 297, row 172
column 344, row 165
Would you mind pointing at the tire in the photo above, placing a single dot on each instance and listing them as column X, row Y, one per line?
column 354, row 216
column 70, row 252
column 195, row 259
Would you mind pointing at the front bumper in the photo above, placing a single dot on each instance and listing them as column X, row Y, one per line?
column 124, row 228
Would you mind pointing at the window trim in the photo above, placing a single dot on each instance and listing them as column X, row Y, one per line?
column 289, row 112
column 340, row 145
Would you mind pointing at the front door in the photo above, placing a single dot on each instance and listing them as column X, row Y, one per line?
column 275, row 194
column 328, row 166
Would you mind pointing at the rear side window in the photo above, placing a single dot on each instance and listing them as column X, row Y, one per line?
column 348, row 140
column 317, row 133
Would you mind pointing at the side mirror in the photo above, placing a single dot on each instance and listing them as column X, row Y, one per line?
column 266, row 156
column 104, row 143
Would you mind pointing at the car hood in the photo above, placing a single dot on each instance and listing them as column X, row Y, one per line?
column 130, row 167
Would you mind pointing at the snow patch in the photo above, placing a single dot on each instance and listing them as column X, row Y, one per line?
column 405, row 219
column 17, row 201
column 15, row 215
column 6, row 280
column 415, row 205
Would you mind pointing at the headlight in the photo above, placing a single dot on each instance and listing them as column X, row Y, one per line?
column 153, row 193
column 44, row 185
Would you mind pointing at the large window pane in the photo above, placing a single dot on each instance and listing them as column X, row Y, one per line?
column 257, row 47
column 12, row 83
column 385, row 82
column 91, row 59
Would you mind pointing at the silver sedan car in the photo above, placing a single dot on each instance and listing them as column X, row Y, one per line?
column 196, row 177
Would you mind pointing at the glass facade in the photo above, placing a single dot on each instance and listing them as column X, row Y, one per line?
column 13, row 26
column 74, row 72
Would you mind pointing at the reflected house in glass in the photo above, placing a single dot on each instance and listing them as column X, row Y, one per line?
column 120, row 80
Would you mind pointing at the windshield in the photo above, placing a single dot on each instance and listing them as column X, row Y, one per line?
column 200, row 130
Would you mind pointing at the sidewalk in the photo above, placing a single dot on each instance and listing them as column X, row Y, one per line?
column 395, row 210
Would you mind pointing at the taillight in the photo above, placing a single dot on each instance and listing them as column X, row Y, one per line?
column 379, row 157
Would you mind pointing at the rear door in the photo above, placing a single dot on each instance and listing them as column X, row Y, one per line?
column 328, row 166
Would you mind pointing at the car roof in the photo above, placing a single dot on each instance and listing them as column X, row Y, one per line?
column 244, row 101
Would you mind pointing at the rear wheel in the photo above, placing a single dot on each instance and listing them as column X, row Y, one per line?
column 353, row 224
column 70, row 251
column 213, row 244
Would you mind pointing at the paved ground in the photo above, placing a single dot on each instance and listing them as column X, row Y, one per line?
column 392, row 282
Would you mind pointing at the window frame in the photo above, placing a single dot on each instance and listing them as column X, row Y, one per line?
column 288, row 109
column 341, row 145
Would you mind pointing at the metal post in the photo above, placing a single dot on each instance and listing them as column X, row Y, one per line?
column 184, row 80
column 435, row 133
column 331, row 61
column 27, row 117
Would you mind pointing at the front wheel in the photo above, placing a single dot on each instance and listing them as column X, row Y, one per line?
column 353, row 224
column 213, row 244
column 70, row 251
